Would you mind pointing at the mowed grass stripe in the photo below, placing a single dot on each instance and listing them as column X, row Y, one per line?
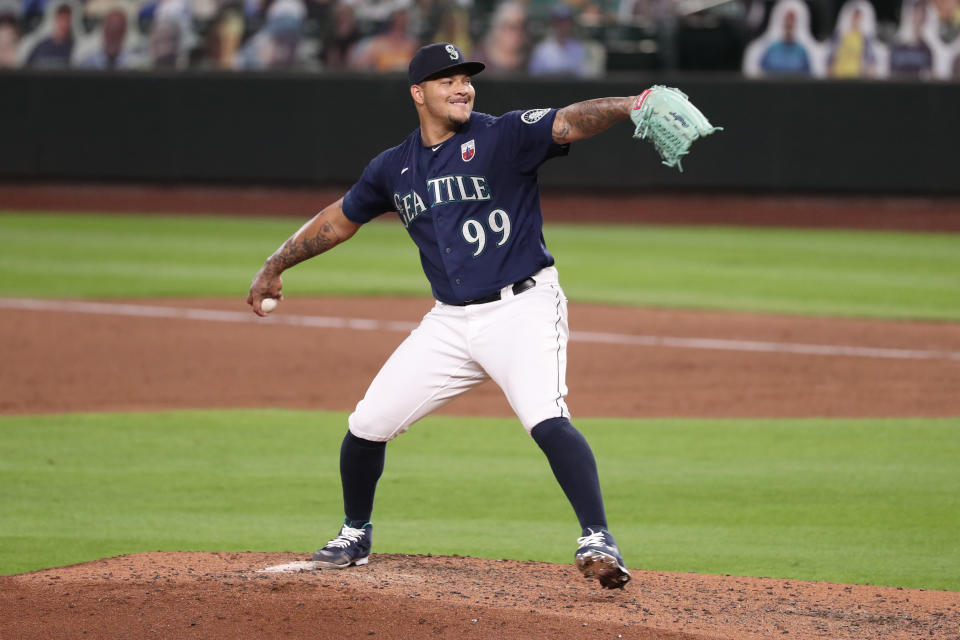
column 841, row 500
column 824, row 272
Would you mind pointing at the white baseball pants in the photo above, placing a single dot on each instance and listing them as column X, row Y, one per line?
column 520, row 342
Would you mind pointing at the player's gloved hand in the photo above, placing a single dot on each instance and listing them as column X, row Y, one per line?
column 667, row 118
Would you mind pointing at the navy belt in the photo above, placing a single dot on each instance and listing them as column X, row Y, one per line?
column 518, row 287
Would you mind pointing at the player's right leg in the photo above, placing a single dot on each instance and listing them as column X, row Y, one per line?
column 430, row 368
column 361, row 463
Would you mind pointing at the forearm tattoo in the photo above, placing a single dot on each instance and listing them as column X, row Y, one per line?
column 305, row 244
column 585, row 119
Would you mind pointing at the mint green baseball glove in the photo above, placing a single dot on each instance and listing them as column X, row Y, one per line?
column 667, row 118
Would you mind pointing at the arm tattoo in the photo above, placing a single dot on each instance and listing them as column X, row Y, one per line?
column 561, row 129
column 305, row 245
column 585, row 119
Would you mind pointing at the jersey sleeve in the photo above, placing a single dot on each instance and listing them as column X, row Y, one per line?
column 529, row 138
column 369, row 197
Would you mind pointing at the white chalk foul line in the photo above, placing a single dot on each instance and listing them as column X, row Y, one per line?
column 181, row 313
column 364, row 324
column 769, row 347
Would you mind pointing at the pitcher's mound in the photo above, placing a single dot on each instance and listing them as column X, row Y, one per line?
column 281, row 595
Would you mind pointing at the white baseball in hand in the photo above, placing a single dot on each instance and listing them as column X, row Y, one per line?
column 268, row 305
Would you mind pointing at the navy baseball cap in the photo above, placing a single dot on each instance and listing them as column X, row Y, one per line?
column 437, row 57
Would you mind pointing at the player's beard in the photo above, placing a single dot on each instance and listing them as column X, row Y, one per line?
column 458, row 117
column 458, row 120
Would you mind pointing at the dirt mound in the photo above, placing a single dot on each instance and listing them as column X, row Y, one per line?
column 228, row 595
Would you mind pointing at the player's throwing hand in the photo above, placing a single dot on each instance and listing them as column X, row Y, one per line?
column 265, row 286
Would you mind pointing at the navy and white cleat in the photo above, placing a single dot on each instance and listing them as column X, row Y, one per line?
column 351, row 547
column 598, row 557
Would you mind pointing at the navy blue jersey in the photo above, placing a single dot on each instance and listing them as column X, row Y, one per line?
column 471, row 203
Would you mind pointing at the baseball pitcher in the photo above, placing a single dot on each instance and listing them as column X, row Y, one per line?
column 464, row 185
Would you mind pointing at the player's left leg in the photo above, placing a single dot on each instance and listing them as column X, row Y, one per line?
column 575, row 469
column 523, row 346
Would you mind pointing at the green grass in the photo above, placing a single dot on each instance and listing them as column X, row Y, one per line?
column 849, row 273
column 857, row 501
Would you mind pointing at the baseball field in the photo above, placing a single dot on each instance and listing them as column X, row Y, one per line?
column 775, row 411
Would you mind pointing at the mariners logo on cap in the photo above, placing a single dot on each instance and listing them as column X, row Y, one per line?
column 468, row 150
column 452, row 50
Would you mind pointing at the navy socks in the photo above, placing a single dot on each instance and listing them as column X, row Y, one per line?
column 361, row 464
column 574, row 467
column 567, row 451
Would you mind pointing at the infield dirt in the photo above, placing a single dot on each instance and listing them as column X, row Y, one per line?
column 221, row 596
column 112, row 362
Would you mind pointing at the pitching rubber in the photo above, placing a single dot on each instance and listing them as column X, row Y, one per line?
column 291, row 567
column 330, row 565
column 302, row 566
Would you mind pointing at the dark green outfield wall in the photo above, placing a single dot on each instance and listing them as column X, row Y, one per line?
column 307, row 129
